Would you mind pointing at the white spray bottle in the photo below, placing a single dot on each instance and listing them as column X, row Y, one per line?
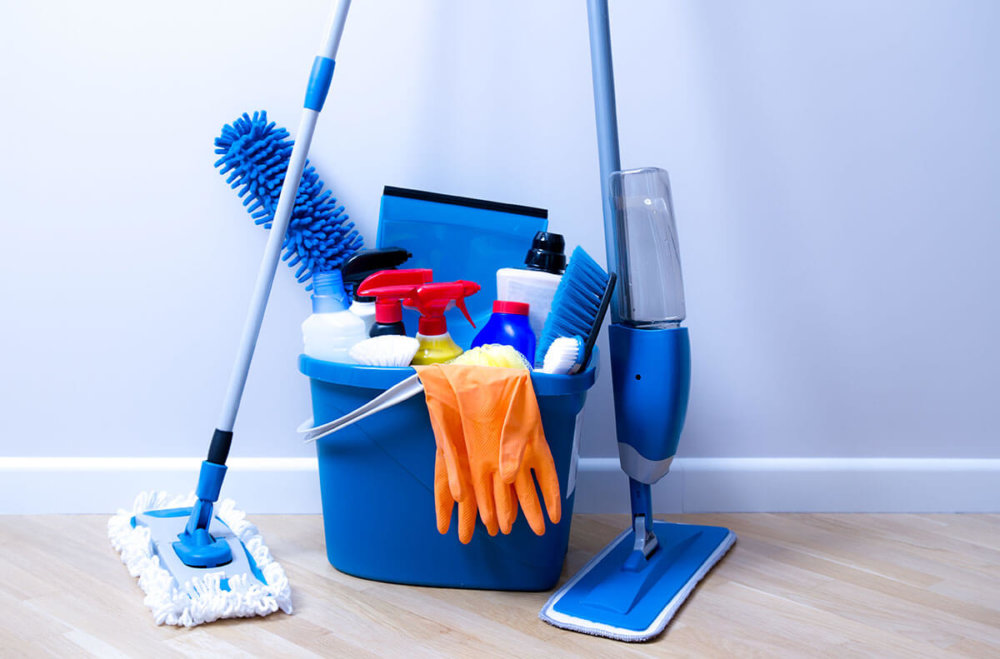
column 331, row 330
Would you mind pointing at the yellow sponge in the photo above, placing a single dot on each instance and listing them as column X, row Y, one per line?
column 493, row 354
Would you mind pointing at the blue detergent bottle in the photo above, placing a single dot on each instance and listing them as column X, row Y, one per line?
column 509, row 326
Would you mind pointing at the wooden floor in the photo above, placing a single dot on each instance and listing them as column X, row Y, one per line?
column 794, row 585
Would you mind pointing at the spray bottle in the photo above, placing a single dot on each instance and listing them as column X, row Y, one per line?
column 331, row 330
column 390, row 288
column 361, row 266
column 432, row 300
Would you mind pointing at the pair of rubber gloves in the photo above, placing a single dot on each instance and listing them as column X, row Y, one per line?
column 489, row 438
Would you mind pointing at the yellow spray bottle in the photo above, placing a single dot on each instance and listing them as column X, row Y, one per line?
column 432, row 300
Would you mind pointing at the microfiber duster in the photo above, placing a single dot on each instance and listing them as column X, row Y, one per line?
column 254, row 153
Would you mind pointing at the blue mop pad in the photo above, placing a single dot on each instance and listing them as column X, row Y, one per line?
column 607, row 599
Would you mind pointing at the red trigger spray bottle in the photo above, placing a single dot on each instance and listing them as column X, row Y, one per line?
column 432, row 300
column 391, row 288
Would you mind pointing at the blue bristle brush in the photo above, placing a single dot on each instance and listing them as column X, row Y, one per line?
column 254, row 152
column 578, row 307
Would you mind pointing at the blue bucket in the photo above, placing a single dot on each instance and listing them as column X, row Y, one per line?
column 377, row 485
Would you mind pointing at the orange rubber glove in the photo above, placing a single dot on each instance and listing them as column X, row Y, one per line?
column 504, row 443
column 536, row 457
column 451, row 464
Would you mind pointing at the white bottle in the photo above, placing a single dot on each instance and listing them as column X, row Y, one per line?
column 366, row 312
column 537, row 283
column 331, row 330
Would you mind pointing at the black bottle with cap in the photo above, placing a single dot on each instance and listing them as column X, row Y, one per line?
column 547, row 253
column 361, row 266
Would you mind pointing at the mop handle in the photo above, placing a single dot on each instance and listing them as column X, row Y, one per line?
column 607, row 124
column 319, row 85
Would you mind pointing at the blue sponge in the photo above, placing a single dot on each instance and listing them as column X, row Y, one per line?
column 254, row 153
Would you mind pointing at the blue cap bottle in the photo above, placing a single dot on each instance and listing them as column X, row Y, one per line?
column 509, row 326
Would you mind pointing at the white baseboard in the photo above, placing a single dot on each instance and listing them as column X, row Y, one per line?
column 694, row 485
column 103, row 485
column 863, row 485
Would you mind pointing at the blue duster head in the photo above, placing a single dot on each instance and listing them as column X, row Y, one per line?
column 254, row 153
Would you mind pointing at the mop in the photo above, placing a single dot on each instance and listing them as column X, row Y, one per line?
column 633, row 587
column 198, row 561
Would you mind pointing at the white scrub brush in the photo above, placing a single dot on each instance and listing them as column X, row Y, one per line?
column 563, row 355
column 386, row 350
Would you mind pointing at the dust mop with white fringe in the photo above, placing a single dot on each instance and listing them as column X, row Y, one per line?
column 205, row 595
column 197, row 561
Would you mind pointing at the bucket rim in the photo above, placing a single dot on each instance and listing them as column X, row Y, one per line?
column 383, row 377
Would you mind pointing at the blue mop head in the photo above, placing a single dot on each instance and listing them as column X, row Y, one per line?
column 254, row 153
column 578, row 306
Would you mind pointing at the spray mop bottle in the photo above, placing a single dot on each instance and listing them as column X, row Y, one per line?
column 389, row 289
column 650, row 351
column 432, row 300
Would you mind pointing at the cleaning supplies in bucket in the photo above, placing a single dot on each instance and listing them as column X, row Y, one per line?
column 489, row 439
column 376, row 479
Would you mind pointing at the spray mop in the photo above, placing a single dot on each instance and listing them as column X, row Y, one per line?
column 198, row 561
column 634, row 586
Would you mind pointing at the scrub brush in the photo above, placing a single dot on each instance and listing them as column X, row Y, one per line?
column 254, row 152
column 562, row 355
column 578, row 307
column 386, row 350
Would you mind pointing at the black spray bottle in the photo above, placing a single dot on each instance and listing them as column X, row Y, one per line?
column 363, row 265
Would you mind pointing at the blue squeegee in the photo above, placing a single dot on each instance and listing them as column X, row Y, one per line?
column 632, row 589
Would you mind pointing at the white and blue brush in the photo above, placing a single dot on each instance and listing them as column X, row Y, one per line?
column 578, row 310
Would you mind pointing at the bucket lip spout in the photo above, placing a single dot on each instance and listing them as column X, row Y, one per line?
column 383, row 377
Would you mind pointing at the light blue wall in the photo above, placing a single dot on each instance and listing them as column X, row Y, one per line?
column 835, row 169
